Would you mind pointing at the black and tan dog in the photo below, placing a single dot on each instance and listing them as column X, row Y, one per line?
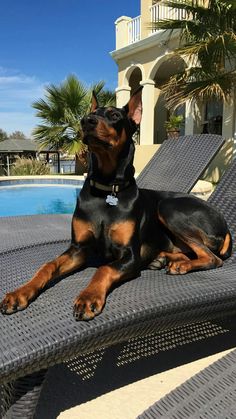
column 131, row 228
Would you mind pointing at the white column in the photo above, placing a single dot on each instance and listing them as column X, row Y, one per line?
column 189, row 120
column 122, row 35
column 8, row 166
column 147, row 123
column 228, row 120
column 198, row 115
column 228, row 124
column 122, row 95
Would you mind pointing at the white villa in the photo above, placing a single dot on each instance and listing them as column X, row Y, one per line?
column 142, row 56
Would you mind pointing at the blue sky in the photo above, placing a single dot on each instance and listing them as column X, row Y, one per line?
column 43, row 41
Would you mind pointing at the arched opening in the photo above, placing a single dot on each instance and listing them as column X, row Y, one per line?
column 135, row 79
column 167, row 68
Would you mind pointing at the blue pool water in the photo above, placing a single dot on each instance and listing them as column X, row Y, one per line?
column 34, row 199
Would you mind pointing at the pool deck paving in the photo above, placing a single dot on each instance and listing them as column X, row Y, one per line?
column 66, row 396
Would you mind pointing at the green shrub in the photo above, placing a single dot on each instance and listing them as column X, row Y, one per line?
column 174, row 122
column 25, row 167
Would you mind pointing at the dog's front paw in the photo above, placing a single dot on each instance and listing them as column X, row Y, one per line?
column 88, row 305
column 16, row 300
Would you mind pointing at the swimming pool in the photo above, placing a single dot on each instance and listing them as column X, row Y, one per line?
column 38, row 197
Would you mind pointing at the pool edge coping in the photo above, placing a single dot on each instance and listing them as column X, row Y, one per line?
column 72, row 177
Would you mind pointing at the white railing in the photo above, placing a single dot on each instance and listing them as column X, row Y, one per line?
column 161, row 12
column 134, row 30
column 157, row 12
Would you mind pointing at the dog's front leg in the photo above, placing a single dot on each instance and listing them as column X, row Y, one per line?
column 91, row 300
column 19, row 299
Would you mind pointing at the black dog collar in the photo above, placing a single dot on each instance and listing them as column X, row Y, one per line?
column 108, row 188
column 113, row 189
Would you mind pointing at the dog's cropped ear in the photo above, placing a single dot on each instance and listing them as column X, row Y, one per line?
column 94, row 102
column 134, row 106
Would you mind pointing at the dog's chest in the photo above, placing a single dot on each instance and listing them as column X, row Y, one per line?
column 105, row 245
column 106, row 227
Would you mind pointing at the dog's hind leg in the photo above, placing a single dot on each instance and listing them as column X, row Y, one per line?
column 205, row 259
column 198, row 227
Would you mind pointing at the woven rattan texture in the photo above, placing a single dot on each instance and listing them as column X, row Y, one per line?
column 18, row 232
column 210, row 394
column 19, row 398
column 177, row 166
column 46, row 332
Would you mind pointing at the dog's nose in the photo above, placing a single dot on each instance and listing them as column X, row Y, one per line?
column 89, row 122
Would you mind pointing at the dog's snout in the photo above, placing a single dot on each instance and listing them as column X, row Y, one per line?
column 89, row 122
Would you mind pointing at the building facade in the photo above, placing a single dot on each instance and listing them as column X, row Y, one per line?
column 145, row 57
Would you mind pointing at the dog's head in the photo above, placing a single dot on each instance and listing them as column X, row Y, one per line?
column 110, row 127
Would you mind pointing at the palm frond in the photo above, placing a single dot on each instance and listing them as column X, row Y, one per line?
column 107, row 98
column 97, row 87
column 48, row 137
column 61, row 111
column 202, row 18
column 73, row 93
column 208, row 43
column 72, row 145
column 196, row 85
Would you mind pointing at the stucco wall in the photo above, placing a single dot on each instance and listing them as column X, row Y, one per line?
column 147, row 58
column 143, row 154
column 219, row 163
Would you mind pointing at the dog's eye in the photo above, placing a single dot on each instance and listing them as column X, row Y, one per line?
column 115, row 116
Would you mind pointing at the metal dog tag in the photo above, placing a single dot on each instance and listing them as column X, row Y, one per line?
column 112, row 200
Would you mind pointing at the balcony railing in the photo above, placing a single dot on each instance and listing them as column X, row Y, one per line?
column 134, row 30
column 161, row 12
column 157, row 12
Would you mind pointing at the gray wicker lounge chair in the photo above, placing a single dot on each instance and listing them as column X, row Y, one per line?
column 170, row 167
column 210, row 394
column 46, row 333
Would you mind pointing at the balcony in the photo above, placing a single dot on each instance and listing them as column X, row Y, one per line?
column 134, row 30
column 159, row 12
column 130, row 30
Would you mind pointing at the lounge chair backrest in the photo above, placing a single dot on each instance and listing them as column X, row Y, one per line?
column 178, row 164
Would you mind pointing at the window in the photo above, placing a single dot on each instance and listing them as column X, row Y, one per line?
column 213, row 118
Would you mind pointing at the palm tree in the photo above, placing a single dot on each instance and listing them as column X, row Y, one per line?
column 208, row 42
column 61, row 112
